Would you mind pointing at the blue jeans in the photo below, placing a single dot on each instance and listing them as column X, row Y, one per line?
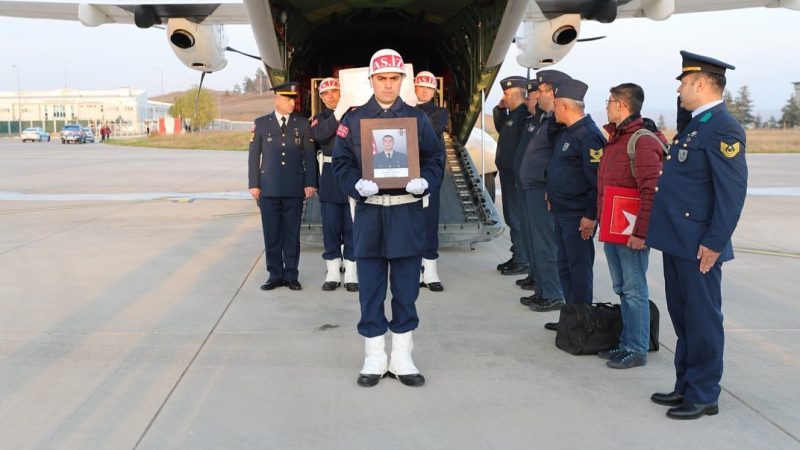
column 628, row 269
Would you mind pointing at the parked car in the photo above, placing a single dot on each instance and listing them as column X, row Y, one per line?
column 35, row 134
column 89, row 135
column 73, row 133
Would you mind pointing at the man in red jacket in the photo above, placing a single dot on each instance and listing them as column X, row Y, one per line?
column 628, row 262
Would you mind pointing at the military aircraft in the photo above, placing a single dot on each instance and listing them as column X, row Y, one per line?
column 464, row 41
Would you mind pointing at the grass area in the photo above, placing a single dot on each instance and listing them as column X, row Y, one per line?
column 758, row 141
column 217, row 140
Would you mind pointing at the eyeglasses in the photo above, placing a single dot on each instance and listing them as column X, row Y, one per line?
column 608, row 102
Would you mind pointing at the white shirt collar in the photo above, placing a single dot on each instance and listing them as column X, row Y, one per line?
column 279, row 115
column 706, row 107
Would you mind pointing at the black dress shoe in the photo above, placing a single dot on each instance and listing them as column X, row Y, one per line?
column 351, row 287
column 528, row 287
column 690, row 411
column 330, row 285
column 515, row 269
column 436, row 286
column 552, row 326
column 413, row 380
column 504, row 265
column 671, row 399
column 525, row 280
column 271, row 284
column 368, row 379
column 528, row 301
column 294, row 285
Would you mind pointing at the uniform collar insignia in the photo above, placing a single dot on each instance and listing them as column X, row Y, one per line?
column 705, row 117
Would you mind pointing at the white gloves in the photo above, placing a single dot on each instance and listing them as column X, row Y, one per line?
column 366, row 187
column 416, row 186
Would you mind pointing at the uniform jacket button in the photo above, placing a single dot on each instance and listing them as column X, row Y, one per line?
column 686, row 214
column 669, row 157
column 655, row 188
column 283, row 163
column 660, row 172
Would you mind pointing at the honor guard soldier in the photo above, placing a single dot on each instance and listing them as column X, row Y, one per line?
column 281, row 174
column 425, row 86
column 337, row 225
column 388, row 225
column 696, row 207
column 509, row 120
column 572, row 190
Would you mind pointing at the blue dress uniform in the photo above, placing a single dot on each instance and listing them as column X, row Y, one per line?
column 509, row 126
column 337, row 225
column 698, row 201
column 386, row 235
column 439, row 118
column 572, row 193
column 281, row 164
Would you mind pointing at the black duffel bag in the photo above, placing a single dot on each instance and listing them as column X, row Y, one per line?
column 588, row 329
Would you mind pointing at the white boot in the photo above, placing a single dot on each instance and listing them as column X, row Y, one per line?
column 402, row 366
column 333, row 277
column 375, row 361
column 350, row 276
column 429, row 276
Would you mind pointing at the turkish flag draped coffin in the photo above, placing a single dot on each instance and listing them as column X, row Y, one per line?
column 620, row 208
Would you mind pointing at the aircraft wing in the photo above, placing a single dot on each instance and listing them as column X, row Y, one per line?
column 550, row 28
column 97, row 13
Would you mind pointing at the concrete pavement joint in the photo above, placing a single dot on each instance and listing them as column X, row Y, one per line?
column 196, row 354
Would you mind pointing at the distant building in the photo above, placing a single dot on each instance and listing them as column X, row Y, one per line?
column 797, row 92
column 124, row 108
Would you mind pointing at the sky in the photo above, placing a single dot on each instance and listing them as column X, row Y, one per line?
column 762, row 43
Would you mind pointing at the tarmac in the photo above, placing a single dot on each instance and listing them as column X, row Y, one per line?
column 131, row 317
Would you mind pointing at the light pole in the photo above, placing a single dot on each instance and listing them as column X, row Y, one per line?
column 19, row 102
column 162, row 81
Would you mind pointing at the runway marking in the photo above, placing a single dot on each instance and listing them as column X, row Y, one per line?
column 196, row 354
column 767, row 252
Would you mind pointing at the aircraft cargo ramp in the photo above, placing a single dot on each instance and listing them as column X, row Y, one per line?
column 467, row 214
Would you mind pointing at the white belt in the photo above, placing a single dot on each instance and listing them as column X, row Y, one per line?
column 394, row 200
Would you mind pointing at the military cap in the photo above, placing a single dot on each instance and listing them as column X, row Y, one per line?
column 571, row 89
column 698, row 63
column 287, row 89
column 386, row 61
column 328, row 84
column 425, row 79
column 512, row 82
column 551, row 76
column 532, row 85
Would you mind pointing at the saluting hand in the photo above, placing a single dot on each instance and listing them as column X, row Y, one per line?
column 707, row 258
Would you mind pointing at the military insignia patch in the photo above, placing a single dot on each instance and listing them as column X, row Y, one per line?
column 530, row 128
column 342, row 131
column 509, row 123
column 565, row 147
column 314, row 122
column 729, row 150
column 595, row 155
column 683, row 154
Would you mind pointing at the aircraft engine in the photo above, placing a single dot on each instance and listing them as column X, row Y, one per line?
column 546, row 43
column 201, row 47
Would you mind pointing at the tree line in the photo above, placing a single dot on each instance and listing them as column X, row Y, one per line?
column 741, row 107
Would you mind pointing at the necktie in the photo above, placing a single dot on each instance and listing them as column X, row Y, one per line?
column 283, row 124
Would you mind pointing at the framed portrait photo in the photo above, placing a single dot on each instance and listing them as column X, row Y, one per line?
column 389, row 151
